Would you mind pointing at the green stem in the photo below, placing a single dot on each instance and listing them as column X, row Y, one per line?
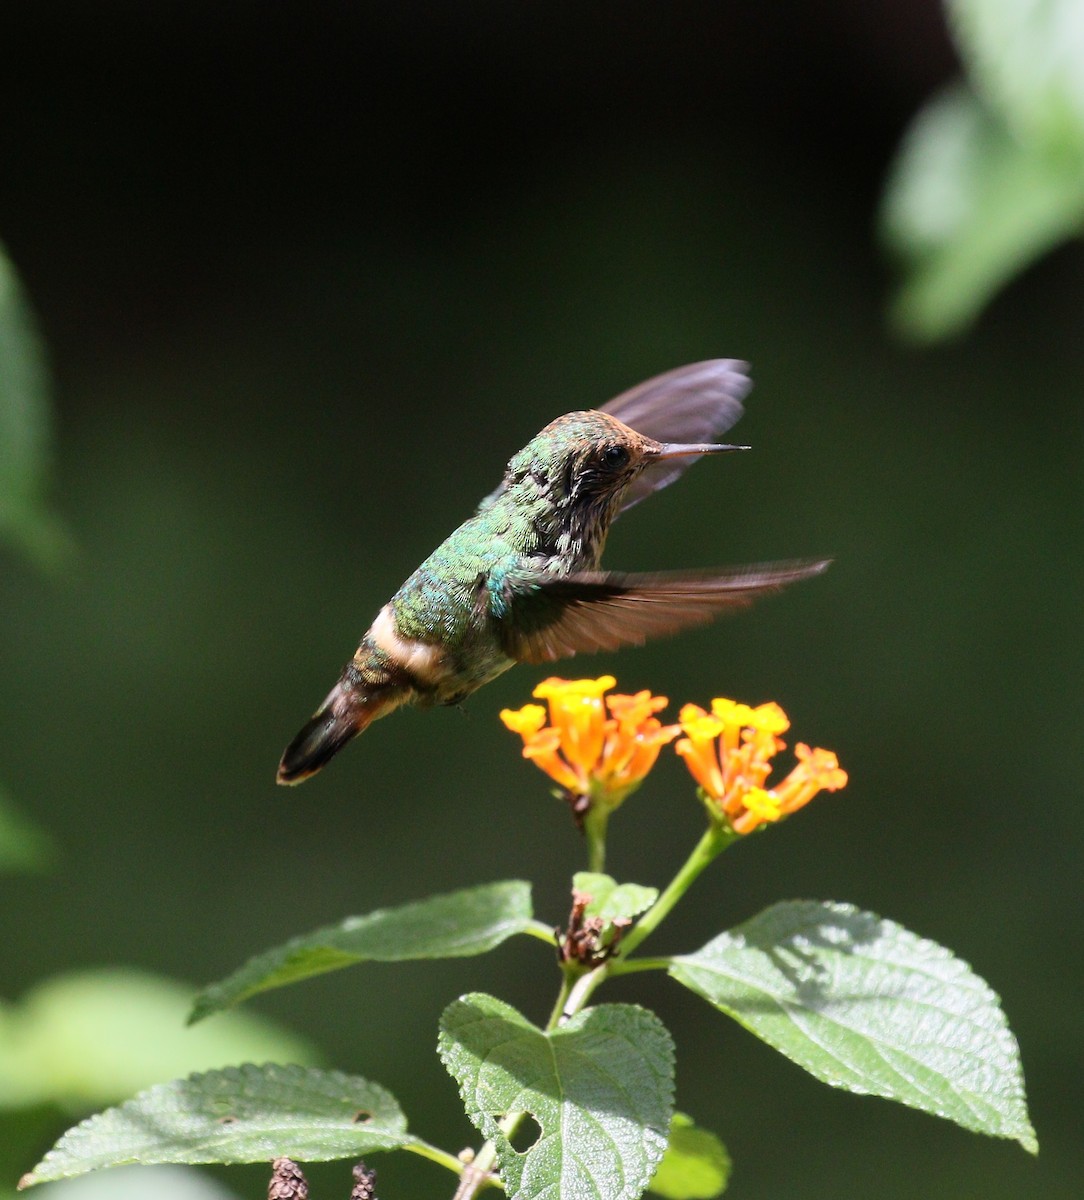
column 579, row 994
column 559, row 1003
column 594, row 826
column 478, row 1173
column 574, row 995
column 434, row 1154
column 712, row 844
column 620, row 966
column 542, row 931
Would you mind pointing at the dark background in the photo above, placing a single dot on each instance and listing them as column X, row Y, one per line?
column 308, row 276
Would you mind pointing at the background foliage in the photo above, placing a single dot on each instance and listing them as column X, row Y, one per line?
column 307, row 277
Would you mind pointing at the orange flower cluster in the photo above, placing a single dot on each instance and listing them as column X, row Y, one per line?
column 600, row 747
column 729, row 751
column 597, row 747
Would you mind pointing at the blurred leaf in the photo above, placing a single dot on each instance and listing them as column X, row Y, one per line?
column 95, row 1037
column 24, row 1132
column 24, row 428
column 695, row 1166
column 241, row 1114
column 23, row 846
column 609, row 899
column 138, row 1183
column 599, row 1088
column 1026, row 59
column 863, row 1004
column 455, row 925
column 967, row 206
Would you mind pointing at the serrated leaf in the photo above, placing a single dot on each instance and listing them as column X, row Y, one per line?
column 599, row 1087
column 610, row 899
column 455, row 925
column 89, row 1038
column 695, row 1166
column 1025, row 58
column 238, row 1115
column 967, row 206
column 864, row 1005
column 24, row 428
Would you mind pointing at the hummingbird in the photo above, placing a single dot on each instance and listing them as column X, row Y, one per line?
column 520, row 581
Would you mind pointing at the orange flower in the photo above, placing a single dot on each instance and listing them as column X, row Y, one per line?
column 729, row 751
column 597, row 747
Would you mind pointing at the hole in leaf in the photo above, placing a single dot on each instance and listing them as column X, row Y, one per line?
column 526, row 1133
column 362, row 1117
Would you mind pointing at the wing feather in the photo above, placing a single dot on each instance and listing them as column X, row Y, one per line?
column 548, row 618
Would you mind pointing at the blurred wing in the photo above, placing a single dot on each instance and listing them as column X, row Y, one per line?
column 694, row 403
column 551, row 618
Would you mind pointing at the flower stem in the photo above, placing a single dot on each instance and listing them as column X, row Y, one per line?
column 559, row 1003
column 574, row 996
column 578, row 995
column 712, row 844
column 594, row 826
column 479, row 1173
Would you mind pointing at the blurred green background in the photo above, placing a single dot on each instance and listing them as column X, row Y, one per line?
column 308, row 275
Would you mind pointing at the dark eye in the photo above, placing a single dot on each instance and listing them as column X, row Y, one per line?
column 615, row 456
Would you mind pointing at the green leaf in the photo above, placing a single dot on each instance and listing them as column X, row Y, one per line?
column 23, row 846
column 1025, row 58
column 967, row 207
column 238, row 1115
column 599, row 1088
column 455, row 925
column 25, row 519
column 94, row 1037
column 609, row 899
column 695, row 1166
column 864, row 1005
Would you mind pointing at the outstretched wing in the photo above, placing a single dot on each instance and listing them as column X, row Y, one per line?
column 548, row 618
column 694, row 403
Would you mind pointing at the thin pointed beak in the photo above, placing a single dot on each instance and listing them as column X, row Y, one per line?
column 683, row 449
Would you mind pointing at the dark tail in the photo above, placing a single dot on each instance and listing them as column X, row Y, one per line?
column 347, row 711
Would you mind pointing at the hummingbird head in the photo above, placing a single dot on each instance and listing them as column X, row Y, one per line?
column 591, row 455
column 581, row 466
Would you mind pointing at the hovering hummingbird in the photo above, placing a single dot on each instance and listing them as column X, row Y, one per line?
column 519, row 581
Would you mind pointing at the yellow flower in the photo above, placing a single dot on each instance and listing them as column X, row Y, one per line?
column 577, row 713
column 597, row 747
column 526, row 720
column 729, row 751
